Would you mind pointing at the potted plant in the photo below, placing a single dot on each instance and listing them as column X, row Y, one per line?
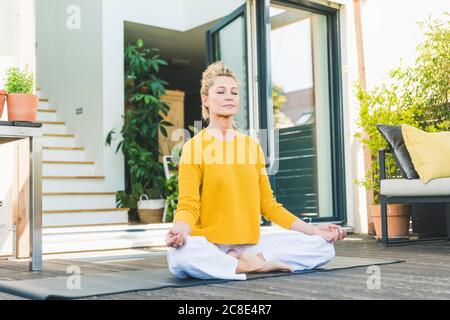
column 150, row 210
column 416, row 95
column 143, row 119
column 375, row 108
column 22, row 104
column 2, row 101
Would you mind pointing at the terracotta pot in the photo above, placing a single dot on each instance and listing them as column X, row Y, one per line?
column 22, row 107
column 2, row 101
column 398, row 220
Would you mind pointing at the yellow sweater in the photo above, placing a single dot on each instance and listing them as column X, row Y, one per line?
column 224, row 188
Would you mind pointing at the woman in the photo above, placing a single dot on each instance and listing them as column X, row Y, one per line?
column 223, row 190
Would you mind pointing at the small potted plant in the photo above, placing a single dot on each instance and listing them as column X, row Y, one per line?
column 22, row 103
column 376, row 108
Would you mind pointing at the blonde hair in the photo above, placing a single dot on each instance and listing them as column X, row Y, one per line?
column 216, row 69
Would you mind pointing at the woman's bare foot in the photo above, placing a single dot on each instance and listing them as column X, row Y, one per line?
column 251, row 262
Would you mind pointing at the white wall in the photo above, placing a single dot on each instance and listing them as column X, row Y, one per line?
column 354, row 158
column 198, row 12
column 70, row 72
column 69, row 68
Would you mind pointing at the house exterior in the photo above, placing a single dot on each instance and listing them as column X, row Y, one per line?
column 314, row 50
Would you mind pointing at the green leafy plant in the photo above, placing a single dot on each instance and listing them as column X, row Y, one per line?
column 143, row 119
column 172, row 182
column 417, row 95
column 171, row 196
column 18, row 81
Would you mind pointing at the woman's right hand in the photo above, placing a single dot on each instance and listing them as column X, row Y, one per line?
column 176, row 237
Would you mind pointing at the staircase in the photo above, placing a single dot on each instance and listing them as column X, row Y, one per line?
column 79, row 211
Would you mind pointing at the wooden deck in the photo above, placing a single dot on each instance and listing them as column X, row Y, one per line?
column 424, row 275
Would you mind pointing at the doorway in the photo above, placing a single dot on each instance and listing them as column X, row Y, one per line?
column 186, row 54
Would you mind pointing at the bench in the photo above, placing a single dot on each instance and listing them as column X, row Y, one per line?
column 405, row 191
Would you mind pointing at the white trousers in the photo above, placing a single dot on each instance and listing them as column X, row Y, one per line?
column 202, row 259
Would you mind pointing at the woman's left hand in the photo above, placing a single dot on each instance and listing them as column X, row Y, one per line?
column 330, row 232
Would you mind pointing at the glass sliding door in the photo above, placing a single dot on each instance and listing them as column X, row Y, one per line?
column 227, row 41
column 306, row 111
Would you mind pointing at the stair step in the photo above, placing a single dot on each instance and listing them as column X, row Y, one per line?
column 47, row 116
column 79, row 194
column 108, row 228
column 84, row 210
column 103, row 237
column 68, row 162
column 64, row 230
column 59, row 142
column 63, row 154
column 55, row 129
column 53, row 122
column 63, row 148
column 58, row 135
column 85, row 201
column 92, row 217
column 64, row 168
column 44, row 105
column 73, row 185
column 73, row 177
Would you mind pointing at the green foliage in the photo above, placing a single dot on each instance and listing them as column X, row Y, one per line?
column 417, row 95
column 279, row 99
column 171, row 196
column 172, row 183
column 18, row 81
column 142, row 122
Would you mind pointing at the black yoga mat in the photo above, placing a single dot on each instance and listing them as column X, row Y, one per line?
column 97, row 284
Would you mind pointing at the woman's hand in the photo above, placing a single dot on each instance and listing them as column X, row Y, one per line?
column 330, row 232
column 176, row 237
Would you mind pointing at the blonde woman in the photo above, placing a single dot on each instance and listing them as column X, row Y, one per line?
column 223, row 190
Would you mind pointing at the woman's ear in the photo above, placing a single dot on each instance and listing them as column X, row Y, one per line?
column 204, row 98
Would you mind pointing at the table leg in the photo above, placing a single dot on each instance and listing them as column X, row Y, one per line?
column 36, row 204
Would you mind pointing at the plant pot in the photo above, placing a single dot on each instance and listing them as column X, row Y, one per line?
column 2, row 101
column 151, row 211
column 398, row 220
column 22, row 107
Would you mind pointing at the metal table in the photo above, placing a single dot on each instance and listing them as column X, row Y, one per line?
column 32, row 131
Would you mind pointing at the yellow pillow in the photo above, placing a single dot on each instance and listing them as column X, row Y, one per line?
column 429, row 151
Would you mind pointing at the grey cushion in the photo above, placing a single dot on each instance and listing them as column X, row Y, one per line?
column 394, row 137
column 405, row 187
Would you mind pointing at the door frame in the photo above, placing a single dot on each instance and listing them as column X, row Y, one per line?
column 335, row 91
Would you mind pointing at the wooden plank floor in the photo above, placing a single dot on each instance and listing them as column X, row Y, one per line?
column 424, row 275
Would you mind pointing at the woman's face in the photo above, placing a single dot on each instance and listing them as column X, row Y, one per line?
column 223, row 97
